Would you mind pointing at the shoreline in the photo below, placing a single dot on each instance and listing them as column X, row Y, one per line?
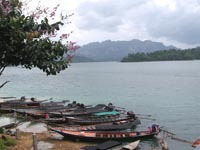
column 46, row 141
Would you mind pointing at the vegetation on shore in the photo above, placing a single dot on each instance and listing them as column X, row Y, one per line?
column 7, row 142
column 25, row 142
column 165, row 55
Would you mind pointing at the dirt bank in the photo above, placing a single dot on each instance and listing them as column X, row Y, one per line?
column 46, row 141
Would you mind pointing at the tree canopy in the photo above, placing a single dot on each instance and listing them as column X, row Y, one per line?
column 26, row 42
column 164, row 55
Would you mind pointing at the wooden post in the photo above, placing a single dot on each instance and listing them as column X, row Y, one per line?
column 17, row 134
column 34, row 142
column 163, row 144
column 15, row 114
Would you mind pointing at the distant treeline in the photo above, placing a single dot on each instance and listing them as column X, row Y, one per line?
column 164, row 55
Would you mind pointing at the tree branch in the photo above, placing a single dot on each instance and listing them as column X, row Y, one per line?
column 2, row 69
column 4, row 84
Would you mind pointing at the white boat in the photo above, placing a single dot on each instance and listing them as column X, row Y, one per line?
column 113, row 145
column 131, row 146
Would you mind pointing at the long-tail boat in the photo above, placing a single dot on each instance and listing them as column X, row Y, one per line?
column 113, row 145
column 103, row 146
column 121, row 125
column 81, row 110
column 90, row 136
column 20, row 103
column 93, row 119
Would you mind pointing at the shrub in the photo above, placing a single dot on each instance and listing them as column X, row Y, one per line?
column 7, row 142
column 1, row 130
column 10, row 142
column 2, row 146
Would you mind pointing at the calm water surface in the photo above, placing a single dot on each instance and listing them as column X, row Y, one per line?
column 169, row 91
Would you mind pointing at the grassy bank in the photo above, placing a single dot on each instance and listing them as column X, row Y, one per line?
column 6, row 142
column 48, row 139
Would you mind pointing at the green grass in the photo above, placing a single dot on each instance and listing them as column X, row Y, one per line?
column 2, row 146
column 8, row 142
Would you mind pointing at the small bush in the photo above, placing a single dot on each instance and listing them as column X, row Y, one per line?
column 2, row 146
column 1, row 130
column 7, row 142
column 10, row 142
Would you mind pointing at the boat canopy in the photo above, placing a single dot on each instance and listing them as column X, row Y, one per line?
column 107, row 113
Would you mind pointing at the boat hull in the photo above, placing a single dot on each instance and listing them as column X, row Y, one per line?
column 104, row 136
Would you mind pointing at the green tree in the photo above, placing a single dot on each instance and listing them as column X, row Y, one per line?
column 26, row 42
column 164, row 55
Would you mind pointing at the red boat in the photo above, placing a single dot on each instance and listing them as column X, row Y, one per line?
column 108, row 135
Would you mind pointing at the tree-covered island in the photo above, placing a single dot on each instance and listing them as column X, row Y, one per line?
column 164, row 55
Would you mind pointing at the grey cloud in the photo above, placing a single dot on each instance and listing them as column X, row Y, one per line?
column 181, row 24
column 184, row 29
column 104, row 15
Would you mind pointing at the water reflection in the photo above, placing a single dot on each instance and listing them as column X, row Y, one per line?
column 6, row 120
column 27, row 126
column 150, row 144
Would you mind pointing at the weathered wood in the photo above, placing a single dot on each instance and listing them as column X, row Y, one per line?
column 3, row 83
column 17, row 134
column 166, row 131
column 8, row 126
column 34, row 142
column 14, row 114
column 146, row 118
column 181, row 140
column 6, row 97
column 143, row 115
column 164, row 144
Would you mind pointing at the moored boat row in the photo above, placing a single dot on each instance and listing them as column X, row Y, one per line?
column 82, row 122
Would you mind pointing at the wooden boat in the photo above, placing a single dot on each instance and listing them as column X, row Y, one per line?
column 56, row 121
column 130, row 146
column 53, row 105
column 6, row 110
column 113, row 145
column 88, row 120
column 35, row 113
column 21, row 103
column 123, row 125
column 107, row 135
column 79, row 110
column 24, row 103
column 103, row 146
column 8, row 126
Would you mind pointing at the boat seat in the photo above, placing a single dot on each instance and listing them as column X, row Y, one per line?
column 105, row 135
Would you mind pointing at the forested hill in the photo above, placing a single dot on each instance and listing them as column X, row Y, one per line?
column 173, row 54
column 116, row 50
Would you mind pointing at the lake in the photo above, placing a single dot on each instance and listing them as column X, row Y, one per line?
column 169, row 91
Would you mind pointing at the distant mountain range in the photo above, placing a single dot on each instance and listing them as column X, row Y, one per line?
column 116, row 50
column 82, row 59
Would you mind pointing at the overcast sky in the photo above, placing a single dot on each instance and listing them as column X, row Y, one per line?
column 173, row 22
